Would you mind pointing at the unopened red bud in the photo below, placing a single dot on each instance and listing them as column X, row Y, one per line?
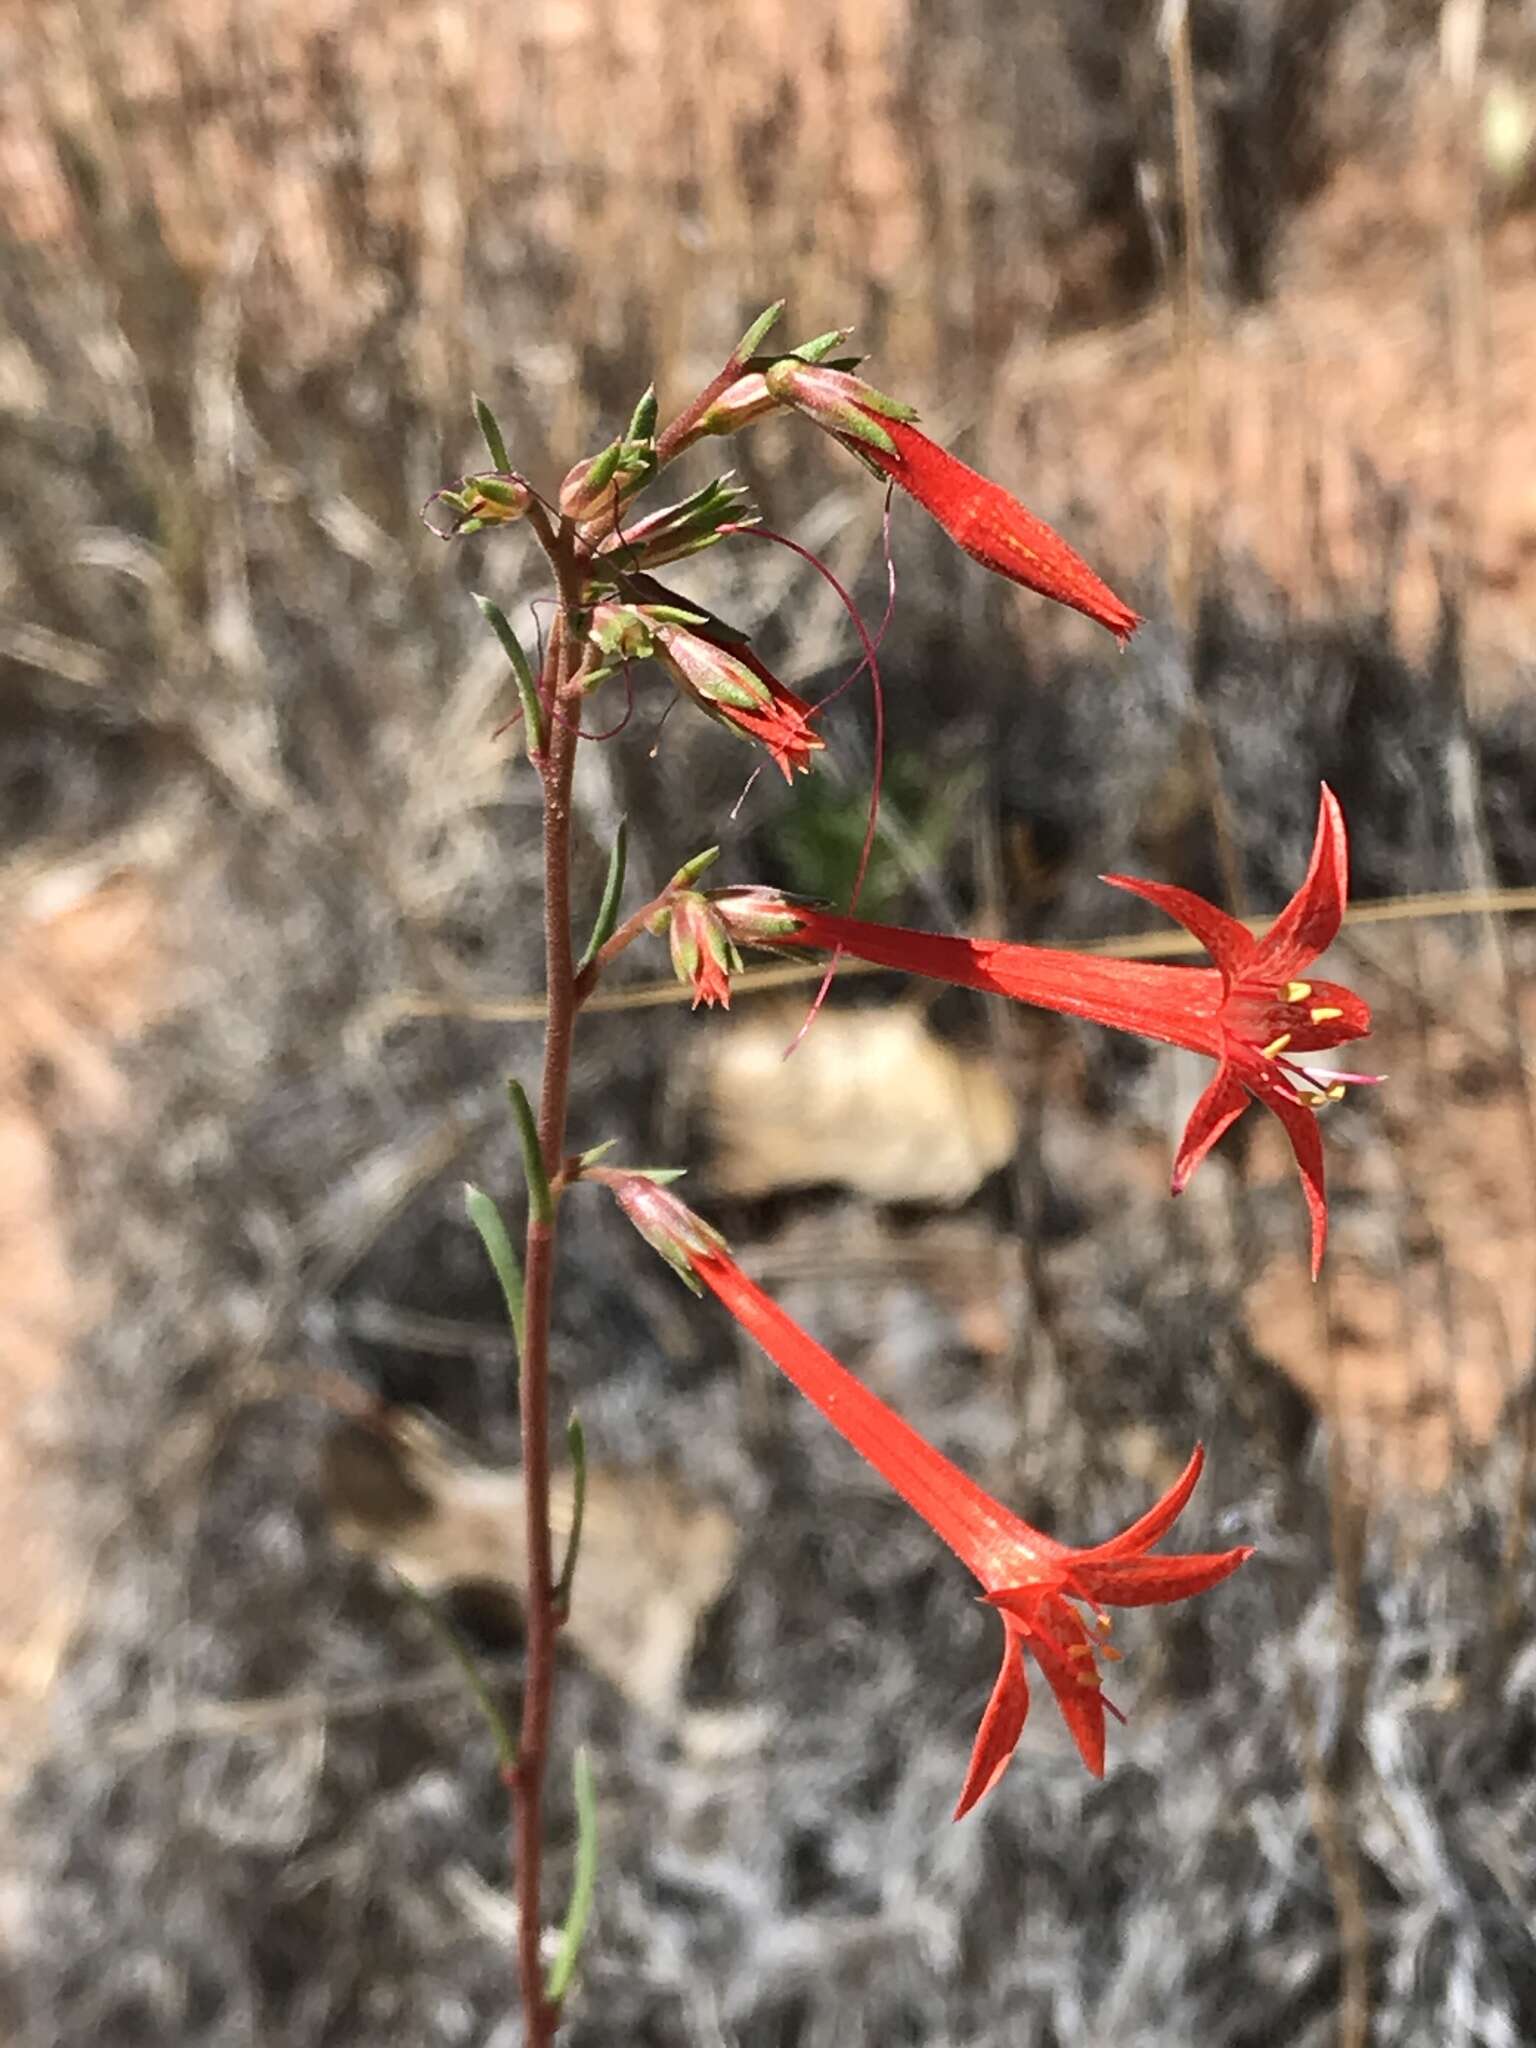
column 741, row 403
column 668, row 1225
column 703, row 956
column 834, row 399
column 755, row 916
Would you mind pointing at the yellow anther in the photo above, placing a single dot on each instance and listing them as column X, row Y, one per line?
column 1109, row 1651
column 1324, row 1014
column 1079, row 1649
column 1296, row 991
column 1276, row 1046
column 1337, row 1092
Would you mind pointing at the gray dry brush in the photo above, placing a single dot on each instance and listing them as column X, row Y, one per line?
column 1304, row 1799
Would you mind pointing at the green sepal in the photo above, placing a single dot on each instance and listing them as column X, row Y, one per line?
column 821, row 347
column 499, row 491
column 889, row 408
column 594, row 1153
column 691, row 870
column 675, row 615
column 642, row 425
column 855, row 427
column 603, row 469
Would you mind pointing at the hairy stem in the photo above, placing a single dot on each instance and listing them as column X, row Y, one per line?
column 527, row 1778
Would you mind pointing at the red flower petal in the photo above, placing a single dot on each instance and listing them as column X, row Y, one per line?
column 1075, row 1682
column 1151, row 1527
column 1002, row 1723
column 1215, row 1113
column 1229, row 944
column 1154, row 1581
column 1307, row 1144
column 1310, row 922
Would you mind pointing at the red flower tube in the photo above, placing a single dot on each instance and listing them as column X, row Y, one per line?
column 979, row 516
column 1251, row 1012
column 1037, row 1585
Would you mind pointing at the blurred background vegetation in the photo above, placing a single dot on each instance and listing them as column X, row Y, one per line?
column 1240, row 296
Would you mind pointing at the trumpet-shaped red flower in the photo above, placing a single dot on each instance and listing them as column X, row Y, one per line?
column 1050, row 1598
column 1253, row 1012
column 977, row 514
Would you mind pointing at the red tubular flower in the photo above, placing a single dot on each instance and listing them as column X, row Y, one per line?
column 1029, row 1578
column 1252, row 1012
column 977, row 514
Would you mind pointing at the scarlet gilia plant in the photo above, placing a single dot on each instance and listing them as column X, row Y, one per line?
column 1252, row 1012
column 610, row 621
column 1050, row 1597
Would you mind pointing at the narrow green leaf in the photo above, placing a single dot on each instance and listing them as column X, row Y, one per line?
column 583, row 1880
column 485, row 419
column 576, row 1443
column 453, row 1642
column 541, row 1207
column 522, row 674
column 752, row 340
column 486, row 1218
column 613, row 889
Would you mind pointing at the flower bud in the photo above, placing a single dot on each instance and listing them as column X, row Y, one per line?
column 668, row 1225
column 495, row 498
column 703, row 957
column 754, row 916
column 836, row 400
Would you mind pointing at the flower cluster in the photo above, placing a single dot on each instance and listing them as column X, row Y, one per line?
column 1257, row 1010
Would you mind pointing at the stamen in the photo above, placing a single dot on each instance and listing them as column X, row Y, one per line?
column 1336, row 1093
column 1277, row 1046
column 1324, row 1014
column 1297, row 992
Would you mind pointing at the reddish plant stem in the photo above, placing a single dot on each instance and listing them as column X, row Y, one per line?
column 542, row 1621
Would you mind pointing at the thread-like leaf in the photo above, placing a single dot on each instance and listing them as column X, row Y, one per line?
column 522, row 674
column 752, row 340
column 486, row 420
column 613, row 889
column 576, row 1443
column 583, row 1880
column 486, row 1218
column 541, row 1206
column 480, row 1692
